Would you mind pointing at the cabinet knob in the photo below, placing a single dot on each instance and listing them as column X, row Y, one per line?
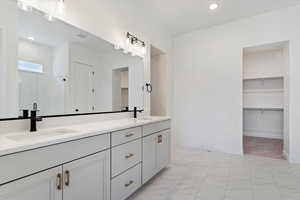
column 129, row 155
column 67, row 176
column 59, row 181
column 129, row 183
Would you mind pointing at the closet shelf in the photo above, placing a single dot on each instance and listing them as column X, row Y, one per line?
column 262, row 78
column 264, row 91
column 263, row 108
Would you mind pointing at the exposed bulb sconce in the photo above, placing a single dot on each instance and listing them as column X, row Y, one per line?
column 134, row 41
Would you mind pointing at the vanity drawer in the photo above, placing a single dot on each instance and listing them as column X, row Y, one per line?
column 123, row 136
column 156, row 127
column 25, row 163
column 126, row 184
column 126, row 156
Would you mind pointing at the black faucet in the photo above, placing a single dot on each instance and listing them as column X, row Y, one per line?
column 135, row 110
column 33, row 120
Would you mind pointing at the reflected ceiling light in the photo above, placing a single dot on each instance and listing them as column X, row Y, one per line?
column 213, row 6
column 30, row 38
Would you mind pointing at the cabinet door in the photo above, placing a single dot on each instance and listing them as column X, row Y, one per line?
column 88, row 178
column 163, row 149
column 46, row 185
column 149, row 157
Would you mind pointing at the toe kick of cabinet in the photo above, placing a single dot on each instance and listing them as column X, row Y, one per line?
column 127, row 183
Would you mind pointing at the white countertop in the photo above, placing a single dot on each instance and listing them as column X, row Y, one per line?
column 9, row 146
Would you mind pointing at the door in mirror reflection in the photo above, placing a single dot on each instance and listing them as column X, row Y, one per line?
column 84, row 92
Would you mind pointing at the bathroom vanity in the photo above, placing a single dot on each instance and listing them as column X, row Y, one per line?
column 104, row 160
column 60, row 73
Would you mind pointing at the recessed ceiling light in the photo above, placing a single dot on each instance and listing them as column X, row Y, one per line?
column 31, row 38
column 213, row 6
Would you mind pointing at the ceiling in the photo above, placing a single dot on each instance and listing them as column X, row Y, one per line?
column 53, row 34
column 182, row 16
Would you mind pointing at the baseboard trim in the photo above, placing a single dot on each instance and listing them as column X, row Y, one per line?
column 264, row 134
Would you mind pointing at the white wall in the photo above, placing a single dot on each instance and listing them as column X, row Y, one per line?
column 8, row 72
column 49, row 97
column 208, row 74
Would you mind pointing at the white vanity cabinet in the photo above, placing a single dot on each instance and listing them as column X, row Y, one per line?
column 73, row 170
column 156, row 153
column 109, row 166
column 40, row 186
column 87, row 178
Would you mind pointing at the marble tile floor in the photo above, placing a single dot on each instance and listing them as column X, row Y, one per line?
column 198, row 175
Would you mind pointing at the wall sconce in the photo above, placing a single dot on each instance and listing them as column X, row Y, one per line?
column 136, row 42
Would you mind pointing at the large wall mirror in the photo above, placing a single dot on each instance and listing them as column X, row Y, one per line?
column 58, row 69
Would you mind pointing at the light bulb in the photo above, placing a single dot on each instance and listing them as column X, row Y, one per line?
column 117, row 47
column 143, row 50
column 61, row 6
column 213, row 6
column 49, row 17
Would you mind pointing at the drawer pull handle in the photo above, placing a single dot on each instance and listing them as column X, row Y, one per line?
column 159, row 139
column 129, row 135
column 59, row 181
column 129, row 155
column 67, row 175
column 128, row 184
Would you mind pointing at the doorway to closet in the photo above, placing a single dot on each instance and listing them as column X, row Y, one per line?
column 265, row 100
column 159, row 81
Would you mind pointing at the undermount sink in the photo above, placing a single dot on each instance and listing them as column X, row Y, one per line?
column 40, row 134
column 145, row 119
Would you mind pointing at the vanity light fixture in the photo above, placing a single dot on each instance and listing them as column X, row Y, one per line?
column 136, row 42
column 213, row 6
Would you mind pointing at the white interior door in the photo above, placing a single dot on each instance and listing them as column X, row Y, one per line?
column 41, row 186
column 136, row 82
column 88, row 178
column 84, row 92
